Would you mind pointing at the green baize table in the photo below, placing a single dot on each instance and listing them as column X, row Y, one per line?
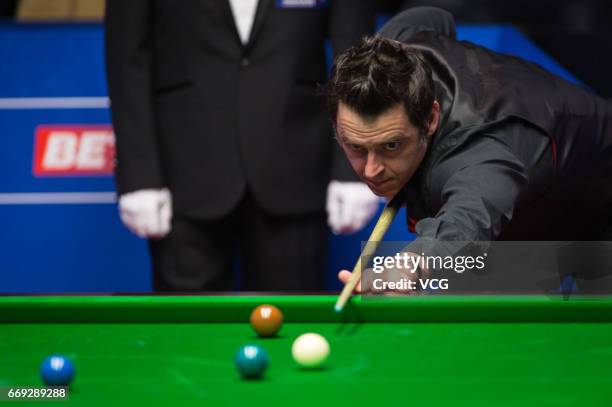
column 414, row 351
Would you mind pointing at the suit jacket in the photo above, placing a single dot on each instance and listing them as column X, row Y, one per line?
column 520, row 154
column 195, row 110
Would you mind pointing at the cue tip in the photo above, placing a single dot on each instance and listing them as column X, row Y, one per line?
column 338, row 308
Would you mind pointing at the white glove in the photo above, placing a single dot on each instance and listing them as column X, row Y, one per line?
column 147, row 212
column 350, row 206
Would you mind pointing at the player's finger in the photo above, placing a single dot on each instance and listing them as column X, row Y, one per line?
column 344, row 276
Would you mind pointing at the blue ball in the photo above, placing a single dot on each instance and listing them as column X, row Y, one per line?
column 251, row 361
column 57, row 370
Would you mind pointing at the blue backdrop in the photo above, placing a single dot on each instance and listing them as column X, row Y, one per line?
column 82, row 247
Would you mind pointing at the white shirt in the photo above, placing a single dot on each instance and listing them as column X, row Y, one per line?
column 244, row 15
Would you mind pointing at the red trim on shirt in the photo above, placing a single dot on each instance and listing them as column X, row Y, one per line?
column 411, row 224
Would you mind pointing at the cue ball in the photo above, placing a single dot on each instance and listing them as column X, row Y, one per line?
column 266, row 320
column 310, row 350
column 251, row 361
column 57, row 370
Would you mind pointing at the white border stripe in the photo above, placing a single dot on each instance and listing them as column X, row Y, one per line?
column 35, row 198
column 55, row 103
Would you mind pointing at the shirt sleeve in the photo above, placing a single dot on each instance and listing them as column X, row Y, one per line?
column 479, row 190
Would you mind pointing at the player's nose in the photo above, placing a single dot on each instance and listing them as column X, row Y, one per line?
column 373, row 167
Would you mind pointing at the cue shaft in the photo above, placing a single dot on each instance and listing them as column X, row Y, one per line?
column 381, row 227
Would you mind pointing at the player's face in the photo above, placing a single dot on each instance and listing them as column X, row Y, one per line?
column 385, row 151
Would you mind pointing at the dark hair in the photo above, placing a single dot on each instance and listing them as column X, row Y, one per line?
column 376, row 75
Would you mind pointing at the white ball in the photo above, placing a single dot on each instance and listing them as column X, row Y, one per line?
column 310, row 350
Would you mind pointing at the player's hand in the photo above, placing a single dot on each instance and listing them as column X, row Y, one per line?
column 344, row 276
column 350, row 206
column 394, row 275
column 147, row 212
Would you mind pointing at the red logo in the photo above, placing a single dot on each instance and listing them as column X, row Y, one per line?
column 74, row 150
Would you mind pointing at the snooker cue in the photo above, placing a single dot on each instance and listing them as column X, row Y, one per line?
column 381, row 227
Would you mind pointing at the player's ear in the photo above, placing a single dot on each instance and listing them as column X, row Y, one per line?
column 434, row 119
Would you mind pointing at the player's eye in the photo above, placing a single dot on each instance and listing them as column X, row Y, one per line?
column 392, row 145
column 356, row 147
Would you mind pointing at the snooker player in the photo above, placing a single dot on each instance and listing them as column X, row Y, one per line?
column 481, row 146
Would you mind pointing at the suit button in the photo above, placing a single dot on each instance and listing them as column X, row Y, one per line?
column 245, row 62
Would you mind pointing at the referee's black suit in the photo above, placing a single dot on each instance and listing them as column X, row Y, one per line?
column 236, row 132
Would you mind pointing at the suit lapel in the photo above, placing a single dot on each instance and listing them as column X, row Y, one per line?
column 263, row 9
column 228, row 17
